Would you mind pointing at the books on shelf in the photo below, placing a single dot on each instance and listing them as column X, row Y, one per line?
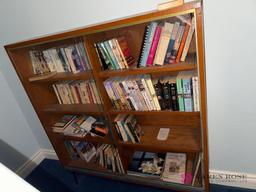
column 132, row 93
column 70, row 58
column 79, row 126
column 174, row 168
column 167, row 43
column 146, row 164
column 170, row 167
column 104, row 155
column 127, row 128
column 114, row 54
column 140, row 93
column 77, row 92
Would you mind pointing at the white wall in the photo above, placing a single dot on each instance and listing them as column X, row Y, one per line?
column 231, row 65
column 229, row 32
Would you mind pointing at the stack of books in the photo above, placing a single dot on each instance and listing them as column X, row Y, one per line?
column 127, row 128
column 79, row 126
column 174, row 168
column 77, row 92
column 170, row 167
column 71, row 58
column 168, row 43
column 105, row 155
column 132, row 93
column 146, row 164
column 114, row 54
column 179, row 93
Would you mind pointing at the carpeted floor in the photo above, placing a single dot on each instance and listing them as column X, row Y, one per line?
column 50, row 176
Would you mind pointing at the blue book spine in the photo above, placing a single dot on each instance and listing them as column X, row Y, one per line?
column 169, row 50
column 152, row 29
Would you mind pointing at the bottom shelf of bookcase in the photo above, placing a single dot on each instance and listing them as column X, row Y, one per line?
column 80, row 167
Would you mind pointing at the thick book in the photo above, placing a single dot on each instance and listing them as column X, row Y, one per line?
column 153, row 47
column 171, row 42
column 163, row 43
column 174, row 168
column 147, row 43
column 180, row 94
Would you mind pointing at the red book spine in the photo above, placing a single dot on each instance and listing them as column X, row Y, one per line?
column 182, row 43
column 153, row 47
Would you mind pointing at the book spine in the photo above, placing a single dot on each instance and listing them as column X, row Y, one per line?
column 111, row 54
column 64, row 56
column 152, row 29
column 121, row 55
column 188, row 40
column 153, row 47
column 57, row 94
column 171, row 42
column 68, row 52
column 159, row 94
column 126, row 50
column 143, row 45
column 180, row 94
column 167, row 95
column 143, row 93
column 116, row 54
column 148, row 94
column 187, row 91
column 174, row 99
column 196, row 93
column 163, row 43
column 182, row 43
column 133, row 103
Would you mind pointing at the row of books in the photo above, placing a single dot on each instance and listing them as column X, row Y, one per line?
column 170, row 167
column 104, row 155
column 166, row 44
column 79, row 126
column 179, row 93
column 127, row 128
column 77, row 92
column 114, row 54
column 140, row 93
column 71, row 58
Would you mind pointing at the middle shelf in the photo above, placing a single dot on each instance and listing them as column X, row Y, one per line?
column 180, row 139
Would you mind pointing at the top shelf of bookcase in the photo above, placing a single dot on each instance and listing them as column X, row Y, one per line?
column 189, row 64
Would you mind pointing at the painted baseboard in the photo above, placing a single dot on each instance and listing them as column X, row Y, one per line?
column 234, row 179
column 221, row 177
column 35, row 160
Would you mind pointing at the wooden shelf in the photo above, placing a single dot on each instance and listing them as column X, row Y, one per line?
column 164, row 112
column 190, row 64
column 92, row 109
column 90, row 138
column 86, row 165
column 67, row 76
column 180, row 139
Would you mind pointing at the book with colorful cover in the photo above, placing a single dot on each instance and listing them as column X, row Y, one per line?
column 153, row 47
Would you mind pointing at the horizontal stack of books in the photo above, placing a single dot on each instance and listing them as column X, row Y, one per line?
column 167, row 44
column 140, row 93
column 79, row 126
column 71, row 58
column 104, row 155
column 127, row 128
column 114, row 54
column 170, row 167
column 132, row 93
column 77, row 92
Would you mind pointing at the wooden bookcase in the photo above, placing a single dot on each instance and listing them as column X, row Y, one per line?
column 188, row 129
